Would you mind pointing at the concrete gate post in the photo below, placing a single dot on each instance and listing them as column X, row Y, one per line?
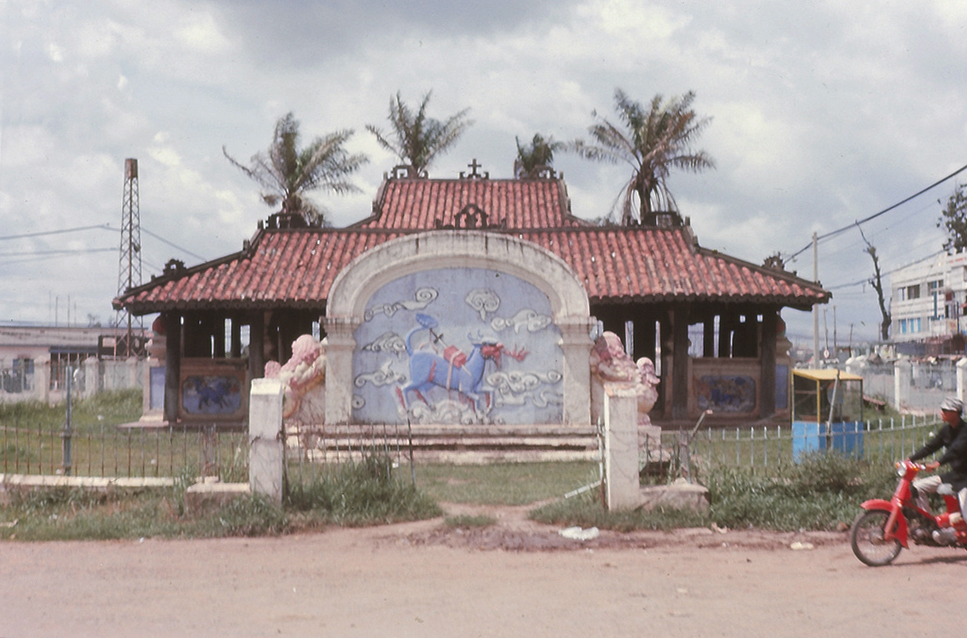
column 621, row 447
column 961, row 378
column 902, row 378
column 266, row 456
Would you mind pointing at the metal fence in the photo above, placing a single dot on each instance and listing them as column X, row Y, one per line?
column 99, row 451
column 877, row 441
column 311, row 450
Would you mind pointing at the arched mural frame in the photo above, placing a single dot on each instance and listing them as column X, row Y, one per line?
column 366, row 274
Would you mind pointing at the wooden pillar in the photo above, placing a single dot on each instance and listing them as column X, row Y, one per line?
column 645, row 334
column 708, row 336
column 726, row 322
column 236, row 350
column 767, row 362
column 218, row 337
column 680, row 362
column 256, row 344
column 172, row 365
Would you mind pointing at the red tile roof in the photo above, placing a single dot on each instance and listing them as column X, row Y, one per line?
column 431, row 203
column 295, row 268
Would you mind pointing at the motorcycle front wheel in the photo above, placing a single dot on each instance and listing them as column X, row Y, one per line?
column 866, row 537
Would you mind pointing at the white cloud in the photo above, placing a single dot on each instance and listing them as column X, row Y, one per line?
column 55, row 52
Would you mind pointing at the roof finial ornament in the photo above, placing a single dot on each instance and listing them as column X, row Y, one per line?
column 473, row 172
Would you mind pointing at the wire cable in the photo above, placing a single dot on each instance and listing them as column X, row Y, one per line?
column 173, row 245
column 57, row 232
column 875, row 215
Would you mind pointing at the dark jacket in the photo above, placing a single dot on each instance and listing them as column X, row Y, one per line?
column 955, row 454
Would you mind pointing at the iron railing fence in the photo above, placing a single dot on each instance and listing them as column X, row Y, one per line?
column 769, row 448
column 106, row 451
column 312, row 450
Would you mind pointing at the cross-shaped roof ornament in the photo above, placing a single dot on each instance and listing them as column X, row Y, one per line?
column 473, row 172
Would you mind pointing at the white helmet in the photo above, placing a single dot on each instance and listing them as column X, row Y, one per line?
column 951, row 404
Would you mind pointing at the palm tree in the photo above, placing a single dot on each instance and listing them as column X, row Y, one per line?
column 418, row 139
column 286, row 172
column 652, row 141
column 536, row 158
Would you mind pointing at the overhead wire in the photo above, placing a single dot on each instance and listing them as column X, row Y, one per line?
column 173, row 245
column 839, row 231
column 57, row 232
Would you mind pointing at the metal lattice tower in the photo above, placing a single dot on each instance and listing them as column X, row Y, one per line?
column 129, row 261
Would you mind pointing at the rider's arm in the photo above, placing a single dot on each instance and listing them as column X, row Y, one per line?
column 935, row 443
column 957, row 449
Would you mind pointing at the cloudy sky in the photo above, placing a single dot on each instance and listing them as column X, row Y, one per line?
column 823, row 113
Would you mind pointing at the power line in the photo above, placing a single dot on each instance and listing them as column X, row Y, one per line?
column 51, row 253
column 57, row 232
column 875, row 215
column 165, row 241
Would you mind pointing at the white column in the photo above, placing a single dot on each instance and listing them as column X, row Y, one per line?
column 621, row 447
column 902, row 377
column 340, row 345
column 576, row 344
column 266, row 455
column 961, row 378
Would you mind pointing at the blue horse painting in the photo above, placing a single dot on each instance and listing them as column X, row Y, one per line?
column 453, row 370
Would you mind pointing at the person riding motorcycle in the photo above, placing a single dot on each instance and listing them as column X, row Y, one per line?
column 953, row 437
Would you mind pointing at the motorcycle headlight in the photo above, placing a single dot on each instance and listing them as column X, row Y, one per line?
column 901, row 469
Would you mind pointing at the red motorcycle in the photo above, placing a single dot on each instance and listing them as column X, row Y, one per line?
column 886, row 527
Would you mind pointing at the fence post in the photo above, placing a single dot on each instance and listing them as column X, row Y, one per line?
column 961, row 378
column 66, row 460
column 902, row 377
column 266, row 455
column 621, row 447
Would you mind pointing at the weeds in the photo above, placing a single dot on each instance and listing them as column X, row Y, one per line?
column 362, row 493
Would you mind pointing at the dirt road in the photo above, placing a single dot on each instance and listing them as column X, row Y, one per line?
column 515, row 579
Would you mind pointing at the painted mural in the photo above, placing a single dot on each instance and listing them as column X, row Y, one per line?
column 211, row 395
column 458, row 345
column 726, row 393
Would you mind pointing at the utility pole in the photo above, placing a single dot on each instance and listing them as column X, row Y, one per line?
column 815, row 306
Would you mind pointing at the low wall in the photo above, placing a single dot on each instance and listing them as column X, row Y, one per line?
column 92, row 377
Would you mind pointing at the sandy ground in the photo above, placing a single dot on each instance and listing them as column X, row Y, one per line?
column 517, row 578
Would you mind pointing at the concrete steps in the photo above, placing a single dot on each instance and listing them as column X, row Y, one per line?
column 448, row 443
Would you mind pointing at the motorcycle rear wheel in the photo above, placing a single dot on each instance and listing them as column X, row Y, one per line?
column 866, row 539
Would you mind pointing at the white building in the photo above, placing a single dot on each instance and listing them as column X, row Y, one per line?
column 928, row 298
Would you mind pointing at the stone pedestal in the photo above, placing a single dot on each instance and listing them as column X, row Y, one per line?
column 621, row 446
column 266, row 456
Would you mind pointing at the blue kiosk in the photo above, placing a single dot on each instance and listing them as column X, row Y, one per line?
column 827, row 412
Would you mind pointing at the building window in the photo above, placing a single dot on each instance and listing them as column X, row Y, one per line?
column 19, row 377
column 935, row 285
column 59, row 361
column 913, row 292
column 903, row 326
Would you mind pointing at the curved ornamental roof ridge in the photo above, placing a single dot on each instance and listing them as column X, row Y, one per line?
column 425, row 204
column 295, row 268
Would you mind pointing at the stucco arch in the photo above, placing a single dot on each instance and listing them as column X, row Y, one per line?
column 410, row 254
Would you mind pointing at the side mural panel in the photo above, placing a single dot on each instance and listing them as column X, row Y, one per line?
column 458, row 345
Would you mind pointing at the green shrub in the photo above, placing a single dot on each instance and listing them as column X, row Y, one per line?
column 365, row 493
column 586, row 510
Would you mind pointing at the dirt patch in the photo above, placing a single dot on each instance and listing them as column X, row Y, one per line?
column 514, row 531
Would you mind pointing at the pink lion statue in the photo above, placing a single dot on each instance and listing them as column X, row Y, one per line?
column 611, row 364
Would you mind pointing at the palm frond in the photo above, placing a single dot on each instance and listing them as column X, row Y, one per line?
column 286, row 173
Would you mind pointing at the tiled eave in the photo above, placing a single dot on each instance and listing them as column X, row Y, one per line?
column 296, row 268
